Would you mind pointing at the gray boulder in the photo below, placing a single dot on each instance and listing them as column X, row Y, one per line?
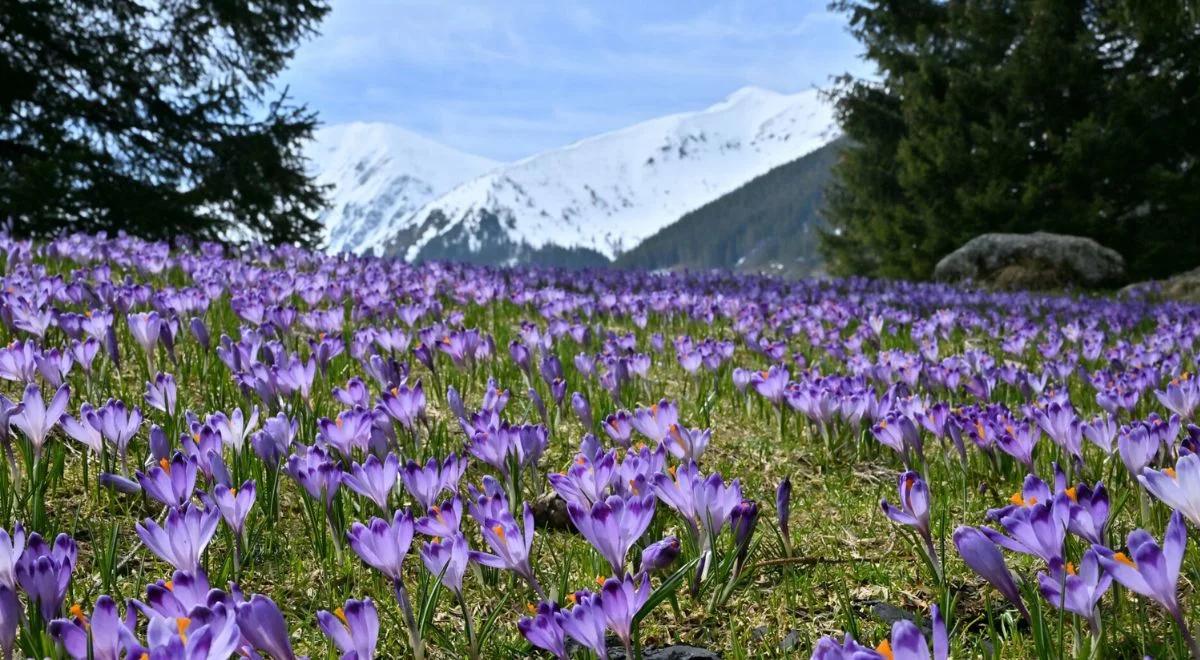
column 1181, row 287
column 1032, row 261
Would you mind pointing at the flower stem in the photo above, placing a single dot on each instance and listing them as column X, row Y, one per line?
column 414, row 632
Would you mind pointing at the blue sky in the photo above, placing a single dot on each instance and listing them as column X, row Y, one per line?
column 509, row 79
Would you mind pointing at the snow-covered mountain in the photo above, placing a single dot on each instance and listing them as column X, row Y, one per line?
column 380, row 174
column 582, row 204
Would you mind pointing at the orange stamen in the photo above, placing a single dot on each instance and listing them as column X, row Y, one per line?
column 885, row 649
column 341, row 614
column 1124, row 559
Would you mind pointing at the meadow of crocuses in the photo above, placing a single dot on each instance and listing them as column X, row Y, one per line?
column 281, row 453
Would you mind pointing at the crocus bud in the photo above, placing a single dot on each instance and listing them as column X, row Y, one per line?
column 200, row 332
column 583, row 410
column 110, row 345
column 422, row 353
column 119, row 483
column 660, row 555
column 539, row 405
column 742, row 520
column 741, row 378
column 783, row 504
column 520, row 356
column 454, row 400
column 558, row 390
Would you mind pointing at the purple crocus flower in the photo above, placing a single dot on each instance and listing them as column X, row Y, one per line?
column 1088, row 516
column 783, row 509
column 742, row 522
column 1101, row 432
column 312, row 468
column 828, row 648
column 511, row 545
column 447, row 558
column 182, row 538
column 382, row 545
column 354, row 395
column 349, row 432
column 544, row 630
column 146, row 327
column 200, row 332
column 443, row 520
column 171, row 482
column 1137, row 447
column 234, row 427
column 908, row 642
column 175, row 598
column 914, row 503
column 204, row 633
column 353, row 628
column 771, row 384
column 44, row 572
column 275, row 439
column 687, row 444
column 427, row 483
column 982, row 556
column 1038, row 529
column 1019, row 440
column 655, row 422
column 374, row 479
column 584, row 622
column 37, row 418
column 897, row 431
column 82, row 431
column 403, row 404
column 104, row 633
column 587, row 481
column 10, row 620
column 583, row 409
column 613, row 525
column 1178, row 487
column 1149, row 569
column 234, row 504
column 1060, row 422
column 1076, row 592
column 494, row 448
column 118, row 424
column 161, row 393
column 261, row 623
column 1181, row 396
column 621, row 599
column 660, row 555
column 619, row 427
column 11, row 548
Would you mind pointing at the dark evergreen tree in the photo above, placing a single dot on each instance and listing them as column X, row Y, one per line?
column 1070, row 116
column 158, row 118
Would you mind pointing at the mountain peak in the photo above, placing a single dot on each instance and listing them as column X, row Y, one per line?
column 751, row 93
column 380, row 173
column 603, row 195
